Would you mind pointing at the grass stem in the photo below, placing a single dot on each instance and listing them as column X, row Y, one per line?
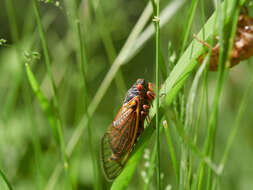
column 55, row 101
column 157, row 47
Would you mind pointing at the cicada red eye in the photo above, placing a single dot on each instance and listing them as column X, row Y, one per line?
column 139, row 87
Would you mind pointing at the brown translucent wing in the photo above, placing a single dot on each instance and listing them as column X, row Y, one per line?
column 118, row 140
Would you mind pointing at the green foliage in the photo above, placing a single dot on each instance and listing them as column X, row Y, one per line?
column 67, row 65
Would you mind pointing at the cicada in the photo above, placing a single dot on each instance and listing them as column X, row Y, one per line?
column 243, row 45
column 128, row 125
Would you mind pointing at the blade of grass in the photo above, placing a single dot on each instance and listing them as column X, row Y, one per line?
column 16, row 83
column 163, row 68
column 44, row 103
column 5, row 180
column 108, row 43
column 238, row 118
column 186, row 138
column 40, row 180
column 151, row 168
column 156, row 19
column 165, row 16
column 83, row 66
column 225, row 42
column 186, row 156
column 233, row 131
column 55, row 101
column 12, row 20
column 171, row 149
column 234, row 21
column 189, row 21
column 157, row 47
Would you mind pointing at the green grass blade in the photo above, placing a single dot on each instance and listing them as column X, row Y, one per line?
column 237, row 123
column 151, row 168
column 162, row 65
column 108, row 44
column 5, row 180
column 190, row 17
column 75, row 21
column 166, row 14
column 44, row 103
column 55, row 101
column 16, row 83
column 172, row 151
column 12, row 20
column 157, row 48
column 226, row 41
column 186, row 157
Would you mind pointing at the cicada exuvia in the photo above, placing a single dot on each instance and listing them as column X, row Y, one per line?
column 243, row 44
column 120, row 137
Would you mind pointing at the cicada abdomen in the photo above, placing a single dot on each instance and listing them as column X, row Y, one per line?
column 128, row 125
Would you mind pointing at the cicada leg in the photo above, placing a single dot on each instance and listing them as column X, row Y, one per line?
column 201, row 41
column 150, row 92
column 214, row 49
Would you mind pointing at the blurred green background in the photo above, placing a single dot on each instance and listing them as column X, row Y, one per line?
column 29, row 153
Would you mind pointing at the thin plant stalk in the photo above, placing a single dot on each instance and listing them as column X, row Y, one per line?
column 163, row 68
column 15, row 86
column 186, row 172
column 171, row 149
column 152, row 164
column 55, row 101
column 186, row 33
column 230, row 46
column 225, row 44
column 12, row 20
column 83, row 65
column 108, row 43
column 5, row 180
column 157, row 47
column 35, row 139
column 237, row 122
column 235, row 127
column 184, row 166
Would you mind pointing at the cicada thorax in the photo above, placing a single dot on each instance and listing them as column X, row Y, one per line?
column 127, row 126
column 243, row 44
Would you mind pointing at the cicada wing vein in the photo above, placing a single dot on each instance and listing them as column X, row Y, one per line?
column 111, row 168
column 118, row 141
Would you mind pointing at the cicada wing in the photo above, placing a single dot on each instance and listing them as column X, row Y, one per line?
column 118, row 141
column 111, row 168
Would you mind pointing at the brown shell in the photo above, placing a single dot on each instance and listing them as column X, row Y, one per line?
column 243, row 45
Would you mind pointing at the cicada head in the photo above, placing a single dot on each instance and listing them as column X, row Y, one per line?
column 145, row 89
column 140, row 88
